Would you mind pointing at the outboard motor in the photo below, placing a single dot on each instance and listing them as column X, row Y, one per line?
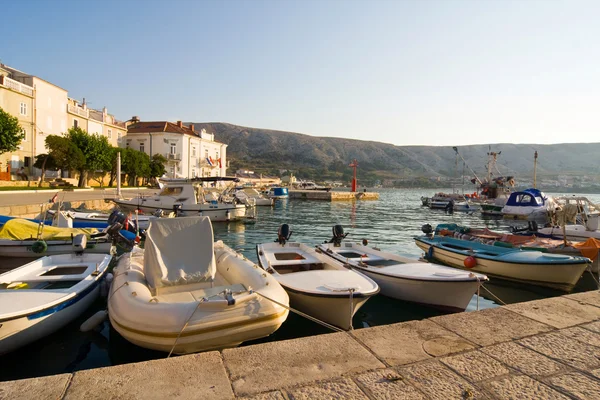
column 79, row 244
column 450, row 207
column 177, row 209
column 338, row 235
column 427, row 229
column 283, row 234
column 116, row 217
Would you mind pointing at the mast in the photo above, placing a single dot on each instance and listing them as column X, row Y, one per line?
column 354, row 164
column 535, row 157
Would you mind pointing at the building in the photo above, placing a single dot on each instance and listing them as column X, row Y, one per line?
column 17, row 99
column 189, row 153
column 45, row 109
column 95, row 121
column 251, row 178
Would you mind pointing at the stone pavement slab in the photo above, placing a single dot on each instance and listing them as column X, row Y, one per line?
column 557, row 312
column 523, row 359
column 275, row 395
column 594, row 326
column 491, row 326
column 335, row 390
column 577, row 385
column 583, row 335
column 387, row 384
column 187, row 377
column 43, row 388
column 276, row 365
column 565, row 350
column 438, row 382
column 412, row 341
column 522, row 387
column 475, row 366
column 592, row 297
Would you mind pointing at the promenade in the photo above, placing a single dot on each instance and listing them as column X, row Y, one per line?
column 22, row 197
column 546, row 349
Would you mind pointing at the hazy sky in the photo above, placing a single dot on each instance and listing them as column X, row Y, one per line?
column 403, row 72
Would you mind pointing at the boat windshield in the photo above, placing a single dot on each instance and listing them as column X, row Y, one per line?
column 171, row 191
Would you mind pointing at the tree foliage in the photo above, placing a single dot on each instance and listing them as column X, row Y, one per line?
column 96, row 151
column 11, row 134
column 136, row 164
column 66, row 155
column 157, row 165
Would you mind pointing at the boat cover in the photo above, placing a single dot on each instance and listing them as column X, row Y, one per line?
column 22, row 229
column 589, row 248
column 179, row 251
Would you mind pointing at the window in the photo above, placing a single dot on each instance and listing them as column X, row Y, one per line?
column 75, row 123
column 193, row 151
column 110, row 133
column 173, row 148
column 23, row 109
column 24, row 132
column 142, row 147
column 193, row 172
column 217, row 157
column 119, row 138
column 205, row 153
column 27, row 161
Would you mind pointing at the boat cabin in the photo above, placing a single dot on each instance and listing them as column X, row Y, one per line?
column 527, row 198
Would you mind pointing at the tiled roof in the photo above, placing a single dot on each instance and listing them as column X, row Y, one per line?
column 159, row 126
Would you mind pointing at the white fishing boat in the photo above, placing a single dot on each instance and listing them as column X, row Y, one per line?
column 406, row 279
column 576, row 217
column 187, row 197
column 42, row 296
column 317, row 285
column 94, row 219
column 27, row 239
column 184, row 293
column 252, row 197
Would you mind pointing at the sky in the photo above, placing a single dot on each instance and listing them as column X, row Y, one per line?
column 403, row 72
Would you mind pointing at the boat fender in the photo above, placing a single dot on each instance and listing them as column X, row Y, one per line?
column 429, row 254
column 470, row 262
column 39, row 246
column 93, row 321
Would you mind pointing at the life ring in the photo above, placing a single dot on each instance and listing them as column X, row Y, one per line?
column 39, row 246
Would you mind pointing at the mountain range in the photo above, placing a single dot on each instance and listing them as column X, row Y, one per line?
column 265, row 150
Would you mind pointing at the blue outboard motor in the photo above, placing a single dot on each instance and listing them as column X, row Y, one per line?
column 116, row 216
column 338, row 235
column 283, row 234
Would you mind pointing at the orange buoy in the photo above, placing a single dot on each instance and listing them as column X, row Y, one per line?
column 470, row 262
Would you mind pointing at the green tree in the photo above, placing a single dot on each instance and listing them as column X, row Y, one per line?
column 45, row 162
column 157, row 165
column 66, row 155
column 135, row 164
column 96, row 151
column 10, row 132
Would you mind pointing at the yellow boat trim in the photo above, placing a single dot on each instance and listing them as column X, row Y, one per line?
column 202, row 331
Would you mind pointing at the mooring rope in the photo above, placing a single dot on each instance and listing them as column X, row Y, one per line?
column 593, row 277
column 496, row 297
column 318, row 321
column 202, row 300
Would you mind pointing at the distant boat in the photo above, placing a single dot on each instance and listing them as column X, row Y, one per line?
column 527, row 203
column 278, row 193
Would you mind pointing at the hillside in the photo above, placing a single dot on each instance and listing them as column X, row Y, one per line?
column 268, row 150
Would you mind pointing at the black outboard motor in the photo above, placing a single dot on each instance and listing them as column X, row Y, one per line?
column 177, row 209
column 427, row 229
column 283, row 234
column 338, row 235
column 450, row 207
column 116, row 216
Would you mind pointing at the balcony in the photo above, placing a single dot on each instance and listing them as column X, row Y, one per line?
column 16, row 86
column 173, row 156
column 77, row 110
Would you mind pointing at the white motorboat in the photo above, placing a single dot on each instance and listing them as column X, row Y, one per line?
column 405, row 279
column 527, row 203
column 309, row 185
column 317, row 285
column 252, row 197
column 186, row 197
column 23, row 238
column 184, row 293
column 577, row 216
column 44, row 295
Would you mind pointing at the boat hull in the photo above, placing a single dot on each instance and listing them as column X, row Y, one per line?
column 23, row 248
column 18, row 332
column 558, row 276
column 446, row 295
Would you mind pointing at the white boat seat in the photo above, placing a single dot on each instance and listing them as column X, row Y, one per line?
column 179, row 251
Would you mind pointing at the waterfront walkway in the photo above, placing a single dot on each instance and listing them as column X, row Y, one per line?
column 546, row 349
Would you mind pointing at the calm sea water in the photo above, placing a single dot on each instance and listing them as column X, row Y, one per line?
column 389, row 223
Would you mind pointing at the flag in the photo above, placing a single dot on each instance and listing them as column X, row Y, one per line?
column 219, row 161
column 53, row 199
column 209, row 161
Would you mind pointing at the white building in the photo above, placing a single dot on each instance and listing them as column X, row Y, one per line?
column 189, row 153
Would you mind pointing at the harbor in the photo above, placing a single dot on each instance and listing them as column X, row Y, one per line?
column 547, row 348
